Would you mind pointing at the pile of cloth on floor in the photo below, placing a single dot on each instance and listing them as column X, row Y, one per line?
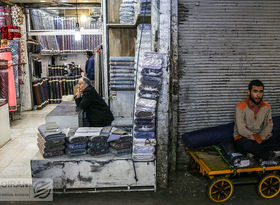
column 98, row 144
column 120, row 142
column 51, row 140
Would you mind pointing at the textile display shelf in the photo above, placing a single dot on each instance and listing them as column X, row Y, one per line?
column 86, row 173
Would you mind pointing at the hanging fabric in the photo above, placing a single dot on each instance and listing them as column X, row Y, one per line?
column 2, row 16
column 8, row 16
column 13, row 44
column 6, row 54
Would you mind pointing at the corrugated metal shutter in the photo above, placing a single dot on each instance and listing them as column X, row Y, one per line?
column 223, row 44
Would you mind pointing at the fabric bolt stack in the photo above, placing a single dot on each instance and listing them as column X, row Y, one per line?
column 56, row 70
column 2, row 16
column 120, row 142
column 14, row 45
column 41, row 94
column 127, row 12
column 143, row 7
column 8, row 16
column 10, row 32
column 98, row 144
column 37, row 67
column 33, row 46
column 150, row 73
column 76, row 145
column 3, row 81
column 51, row 140
column 6, row 56
column 122, row 73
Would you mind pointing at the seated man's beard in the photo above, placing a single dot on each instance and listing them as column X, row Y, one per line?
column 252, row 99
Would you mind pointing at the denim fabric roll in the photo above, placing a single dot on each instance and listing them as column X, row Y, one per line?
column 52, row 154
column 123, row 145
column 151, row 72
column 116, row 67
column 77, row 139
column 121, row 151
column 51, row 148
column 50, row 143
column 144, row 135
column 148, row 94
column 148, row 80
column 74, row 146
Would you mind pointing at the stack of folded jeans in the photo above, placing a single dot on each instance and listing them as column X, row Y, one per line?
column 122, row 73
column 77, row 140
column 146, row 103
column 97, row 144
column 127, row 12
column 51, row 140
column 143, row 7
column 120, row 142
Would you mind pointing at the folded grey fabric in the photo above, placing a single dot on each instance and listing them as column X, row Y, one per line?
column 148, row 80
column 112, row 75
column 148, row 94
column 144, row 112
column 98, row 142
column 76, row 152
column 121, row 71
column 151, row 88
column 50, row 143
column 143, row 157
column 51, row 149
column 145, row 128
column 144, row 142
column 51, row 126
column 146, row 103
column 100, row 151
column 123, row 145
column 49, row 154
column 73, row 146
column 121, row 151
column 116, row 67
column 77, row 139
column 51, row 135
column 122, row 86
column 123, row 64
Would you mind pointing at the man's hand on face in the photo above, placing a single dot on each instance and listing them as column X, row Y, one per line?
column 79, row 93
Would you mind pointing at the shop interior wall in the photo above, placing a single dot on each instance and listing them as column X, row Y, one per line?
column 79, row 59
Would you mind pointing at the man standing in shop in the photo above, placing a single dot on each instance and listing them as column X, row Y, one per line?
column 253, row 125
column 90, row 66
column 96, row 112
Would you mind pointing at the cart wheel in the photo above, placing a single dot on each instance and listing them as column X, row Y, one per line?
column 220, row 190
column 269, row 186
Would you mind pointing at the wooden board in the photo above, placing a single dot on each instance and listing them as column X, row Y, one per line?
column 122, row 41
column 114, row 11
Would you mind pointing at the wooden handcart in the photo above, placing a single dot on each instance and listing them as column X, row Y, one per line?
column 224, row 176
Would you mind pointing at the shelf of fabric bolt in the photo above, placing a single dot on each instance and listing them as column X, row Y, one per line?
column 88, row 173
column 138, row 20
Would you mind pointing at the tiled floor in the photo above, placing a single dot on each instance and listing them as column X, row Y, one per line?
column 16, row 154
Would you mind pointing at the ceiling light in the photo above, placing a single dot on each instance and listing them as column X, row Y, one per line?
column 83, row 18
column 42, row 1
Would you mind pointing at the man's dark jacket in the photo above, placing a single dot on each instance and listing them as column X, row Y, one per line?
column 98, row 113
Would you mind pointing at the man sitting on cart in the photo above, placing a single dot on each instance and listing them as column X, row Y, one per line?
column 253, row 125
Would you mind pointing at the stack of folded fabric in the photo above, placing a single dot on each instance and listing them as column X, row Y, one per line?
column 122, row 73
column 120, row 142
column 150, row 73
column 77, row 140
column 51, row 140
column 127, row 12
column 143, row 7
column 97, row 144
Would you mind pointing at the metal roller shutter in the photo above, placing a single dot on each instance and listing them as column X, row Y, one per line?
column 223, row 44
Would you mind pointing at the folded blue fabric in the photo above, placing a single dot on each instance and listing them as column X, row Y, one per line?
column 73, row 146
column 144, row 121
column 122, row 59
column 148, row 80
column 144, row 135
column 148, row 94
column 113, row 137
column 145, row 128
column 208, row 136
column 120, row 151
column 76, row 152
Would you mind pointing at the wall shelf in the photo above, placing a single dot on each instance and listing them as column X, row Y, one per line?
column 63, row 32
